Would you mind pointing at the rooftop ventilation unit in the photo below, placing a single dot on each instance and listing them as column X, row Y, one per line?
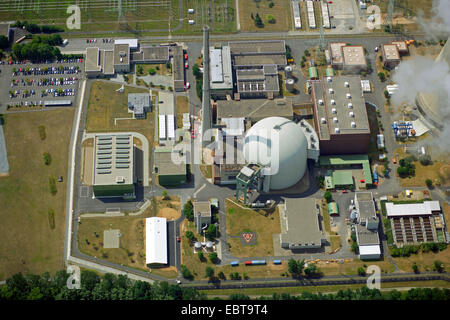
column 350, row 105
column 120, row 179
column 349, row 96
column 335, row 119
column 353, row 124
column 321, row 102
column 333, row 102
column 347, row 84
column 336, row 130
column 122, row 53
column 322, row 120
column 329, row 79
column 334, row 110
column 331, row 91
column 351, row 114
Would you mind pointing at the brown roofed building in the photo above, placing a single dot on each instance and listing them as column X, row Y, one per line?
column 391, row 55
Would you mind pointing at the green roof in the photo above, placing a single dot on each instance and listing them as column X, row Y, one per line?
column 342, row 178
column 313, row 73
column 333, row 208
column 347, row 160
column 329, row 72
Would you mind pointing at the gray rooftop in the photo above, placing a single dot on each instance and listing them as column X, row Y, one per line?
column 365, row 205
column 4, row 29
column 113, row 159
column 178, row 67
column 302, row 222
column 139, row 100
column 260, row 60
column 155, row 53
column 203, row 208
column 257, row 47
column 343, row 107
column 165, row 164
column 221, row 71
column 365, row 236
column 108, row 61
column 251, row 80
column 255, row 109
column 121, row 54
column 92, row 62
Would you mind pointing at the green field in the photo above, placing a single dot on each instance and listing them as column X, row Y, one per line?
column 153, row 16
column 32, row 219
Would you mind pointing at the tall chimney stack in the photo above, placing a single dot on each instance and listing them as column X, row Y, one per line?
column 206, row 97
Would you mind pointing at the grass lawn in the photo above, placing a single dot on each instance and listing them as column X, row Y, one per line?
column 281, row 11
column 206, row 170
column 182, row 107
column 105, row 104
column 132, row 242
column 351, row 267
column 264, row 222
column 425, row 261
column 159, row 68
column 257, row 292
column 197, row 268
column 438, row 172
column 32, row 238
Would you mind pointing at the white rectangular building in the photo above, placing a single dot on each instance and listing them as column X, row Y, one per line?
column 156, row 241
column 132, row 43
column 170, row 127
column 311, row 17
column 162, row 127
column 412, row 209
column 296, row 12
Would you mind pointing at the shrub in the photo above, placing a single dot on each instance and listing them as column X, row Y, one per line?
column 382, row 76
column 52, row 183
column 429, row 183
column 189, row 235
column 438, row 265
column 327, row 196
column 151, row 71
column 47, row 158
column 51, row 218
column 186, row 273
column 361, row 271
column 188, row 210
column 213, row 257
column 200, row 256
column 270, row 18
column 42, row 133
column 271, row 4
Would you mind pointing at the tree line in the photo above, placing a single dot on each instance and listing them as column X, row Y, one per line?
column 34, row 28
column 93, row 287
column 41, row 48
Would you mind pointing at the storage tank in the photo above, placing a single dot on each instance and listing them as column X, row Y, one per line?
column 288, row 72
column 280, row 146
column 209, row 245
column 290, row 85
column 197, row 245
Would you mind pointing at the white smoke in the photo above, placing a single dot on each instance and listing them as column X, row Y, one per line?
column 438, row 27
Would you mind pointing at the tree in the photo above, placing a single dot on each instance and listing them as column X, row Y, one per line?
column 258, row 21
column 382, row 76
column 354, row 247
column 271, row 4
column 312, row 270
column 293, row 267
column 327, row 195
column 4, row 42
column 209, row 272
column 200, row 256
column 186, row 273
column 307, row 53
column 438, row 265
column 213, row 257
column 429, row 183
column 361, row 271
column 164, row 194
column 47, row 158
column 270, row 18
column 211, row 231
column 196, row 71
column 151, row 71
column 188, row 210
column 139, row 69
column 190, row 235
column 386, row 94
column 415, row 268
column 221, row 275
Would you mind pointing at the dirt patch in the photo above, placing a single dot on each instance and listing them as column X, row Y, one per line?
column 168, row 213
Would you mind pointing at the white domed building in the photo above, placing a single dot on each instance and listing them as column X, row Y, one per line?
column 280, row 146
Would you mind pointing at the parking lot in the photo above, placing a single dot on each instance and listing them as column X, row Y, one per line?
column 30, row 85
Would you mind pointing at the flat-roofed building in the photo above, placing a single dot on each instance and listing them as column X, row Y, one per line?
column 413, row 223
column 151, row 54
column 250, row 54
column 257, row 83
column 139, row 104
column 170, row 166
column 391, row 55
column 202, row 215
column 366, row 209
column 402, row 47
column 354, row 59
column 5, row 30
column 337, row 58
column 221, row 72
column 340, row 115
column 113, row 166
column 178, row 68
column 368, row 243
column 156, row 249
column 99, row 62
column 122, row 58
column 254, row 109
column 300, row 224
column 132, row 43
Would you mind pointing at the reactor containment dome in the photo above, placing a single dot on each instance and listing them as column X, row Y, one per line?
column 280, row 147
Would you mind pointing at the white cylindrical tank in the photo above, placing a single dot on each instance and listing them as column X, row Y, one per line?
column 198, row 245
column 209, row 245
column 290, row 85
column 280, row 145
column 288, row 72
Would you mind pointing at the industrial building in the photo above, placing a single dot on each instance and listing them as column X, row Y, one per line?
column 340, row 115
column 151, row 54
column 156, row 249
column 325, row 14
column 414, row 223
column 296, row 14
column 202, row 215
column 310, row 12
column 367, row 227
column 170, row 166
column 350, row 59
column 341, row 165
column 178, row 68
column 402, row 47
column 99, row 62
column 121, row 58
column 299, row 220
column 166, row 118
column 258, row 83
column 253, row 110
column 113, row 166
column 256, row 54
column 221, row 72
column 139, row 104
column 391, row 55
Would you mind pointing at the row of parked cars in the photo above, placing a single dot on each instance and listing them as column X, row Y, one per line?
column 45, row 71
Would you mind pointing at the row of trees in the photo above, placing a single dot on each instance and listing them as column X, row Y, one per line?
column 34, row 28
column 93, row 287
column 296, row 268
column 39, row 49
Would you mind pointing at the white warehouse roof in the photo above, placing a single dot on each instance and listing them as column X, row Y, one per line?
column 369, row 250
column 156, row 240
column 132, row 43
column 411, row 209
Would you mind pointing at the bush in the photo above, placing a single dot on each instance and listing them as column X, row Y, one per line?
column 327, row 196
column 258, row 21
column 188, row 210
column 47, row 158
column 382, row 76
column 52, row 183
column 425, row 160
column 429, row 183
column 438, row 266
column 186, row 273
column 361, row 271
column 271, row 4
column 189, row 235
column 270, row 18
column 200, row 256
column 213, row 257
column 151, row 71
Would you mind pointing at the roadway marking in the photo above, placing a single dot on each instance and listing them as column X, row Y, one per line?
column 200, row 189
column 112, row 210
